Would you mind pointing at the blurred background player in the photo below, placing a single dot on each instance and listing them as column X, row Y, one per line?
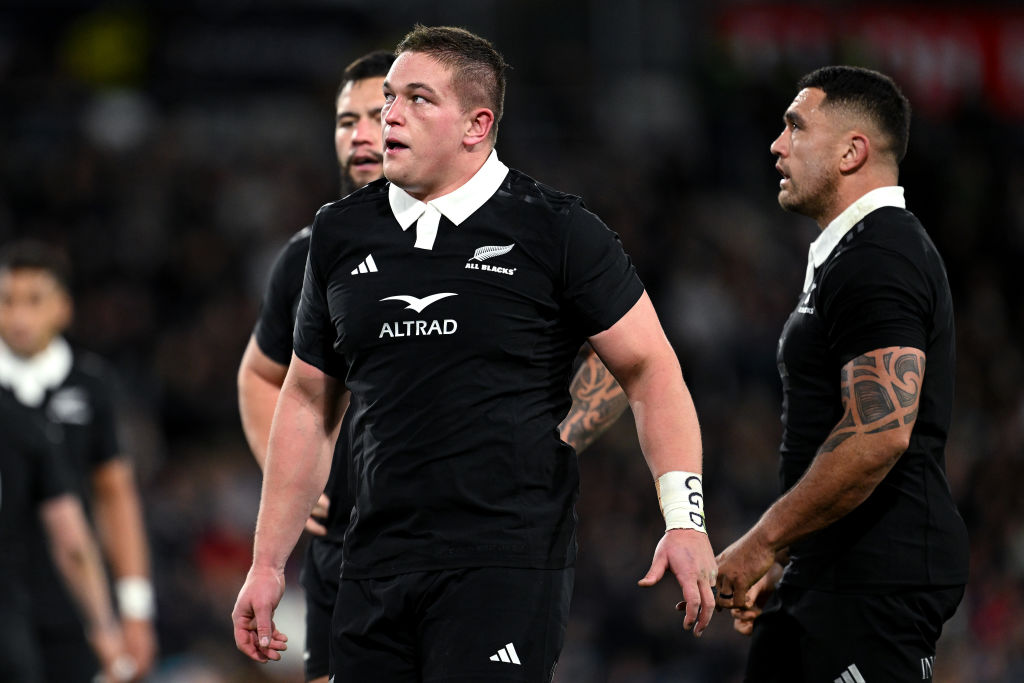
column 35, row 488
column 597, row 399
column 72, row 391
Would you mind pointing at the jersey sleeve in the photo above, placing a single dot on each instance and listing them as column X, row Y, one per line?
column 873, row 298
column 275, row 326
column 51, row 475
column 105, row 445
column 315, row 333
column 600, row 281
column 46, row 471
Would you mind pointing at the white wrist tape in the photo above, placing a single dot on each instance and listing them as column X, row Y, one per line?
column 135, row 597
column 681, row 496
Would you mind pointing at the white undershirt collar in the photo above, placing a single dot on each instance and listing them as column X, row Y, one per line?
column 822, row 246
column 456, row 206
column 30, row 378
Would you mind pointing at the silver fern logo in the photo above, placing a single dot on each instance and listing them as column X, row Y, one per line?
column 484, row 253
column 488, row 252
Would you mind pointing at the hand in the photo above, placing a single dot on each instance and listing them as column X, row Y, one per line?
column 313, row 524
column 740, row 566
column 252, row 617
column 139, row 645
column 688, row 554
column 757, row 596
column 108, row 644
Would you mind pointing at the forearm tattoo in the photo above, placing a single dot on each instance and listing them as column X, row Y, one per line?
column 597, row 401
column 880, row 391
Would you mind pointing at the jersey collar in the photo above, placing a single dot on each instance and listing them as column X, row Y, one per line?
column 30, row 378
column 821, row 247
column 456, row 206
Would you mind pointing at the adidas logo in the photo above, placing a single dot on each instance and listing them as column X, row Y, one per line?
column 507, row 654
column 367, row 266
column 851, row 675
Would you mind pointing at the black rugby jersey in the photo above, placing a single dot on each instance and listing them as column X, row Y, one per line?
column 273, row 332
column 80, row 415
column 30, row 474
column 883, row 285
column 459, row 357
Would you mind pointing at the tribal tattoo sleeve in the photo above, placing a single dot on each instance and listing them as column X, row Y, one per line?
column 597, row 401
column 880, row 391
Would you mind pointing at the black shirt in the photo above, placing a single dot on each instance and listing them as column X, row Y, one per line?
column 883, row 285
column 80, row 415
column 459, row 357
column 30, row 474
column 274, row 330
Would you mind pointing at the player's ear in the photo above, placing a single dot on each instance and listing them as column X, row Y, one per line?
column 858, row 149
column 479, row 122
column 65, row 310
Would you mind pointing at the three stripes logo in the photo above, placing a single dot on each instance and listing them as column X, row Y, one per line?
column 367, row 266
column 851, row 675
column 507, row 655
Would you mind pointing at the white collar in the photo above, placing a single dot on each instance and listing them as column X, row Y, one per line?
column 30, row 378
column 823, row 245
column 456, row 206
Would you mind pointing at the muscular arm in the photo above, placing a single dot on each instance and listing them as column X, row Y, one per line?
column 597, row 402
column 259, row 384
column 636, row 350
column 880, row 393
column 298, row 459
column 296, row 469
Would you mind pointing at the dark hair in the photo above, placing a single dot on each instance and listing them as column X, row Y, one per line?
column 34, row 255
column 867, row 92
column 374, row 64
column 478, row 70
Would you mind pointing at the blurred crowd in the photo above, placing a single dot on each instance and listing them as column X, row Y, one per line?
column 171, row 187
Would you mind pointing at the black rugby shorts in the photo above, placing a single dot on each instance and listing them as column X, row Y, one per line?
column 808, row 636
column 490, row 624
column 321, row 573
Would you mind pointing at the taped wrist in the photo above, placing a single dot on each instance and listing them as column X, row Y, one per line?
column 681, row 497
column 135, row 598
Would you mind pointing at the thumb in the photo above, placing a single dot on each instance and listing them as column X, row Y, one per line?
column 654, row 574
column 264, row 626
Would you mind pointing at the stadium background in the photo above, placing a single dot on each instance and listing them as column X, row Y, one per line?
column 172, row 147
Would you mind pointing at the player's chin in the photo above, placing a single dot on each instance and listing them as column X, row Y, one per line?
column 395, row 172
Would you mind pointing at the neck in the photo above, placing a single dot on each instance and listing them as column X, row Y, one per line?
column 29, row 355
column 852, row 188
column 468, row 165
